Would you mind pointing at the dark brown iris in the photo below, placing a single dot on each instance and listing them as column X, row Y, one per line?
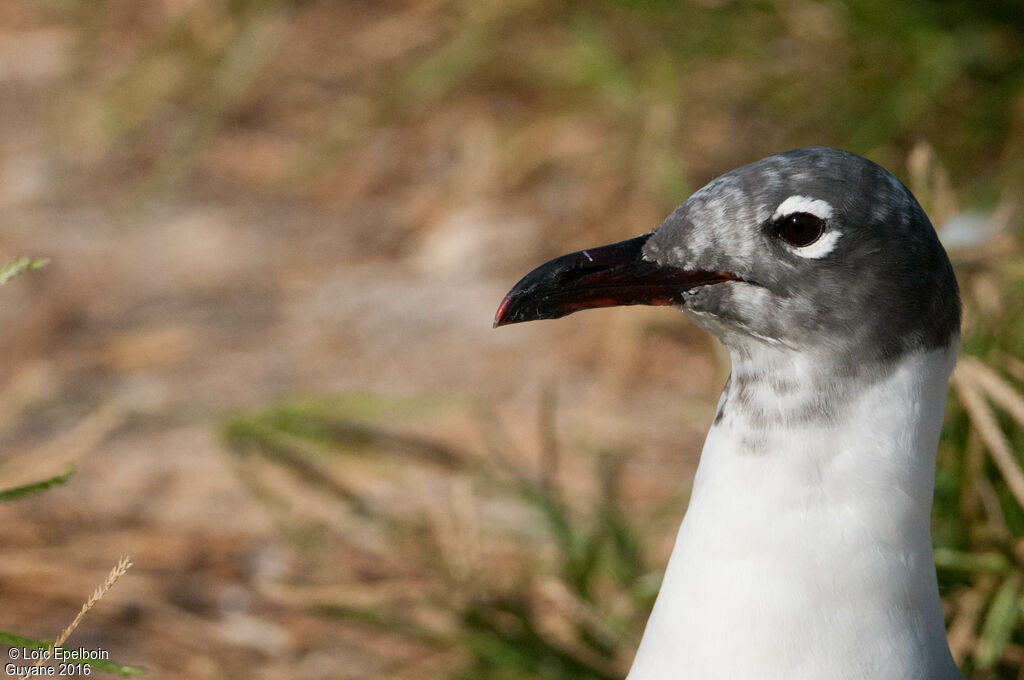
column 800, row 229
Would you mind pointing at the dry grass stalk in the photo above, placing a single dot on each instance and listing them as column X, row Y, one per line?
column 930, row 181
column 567, row 604
column 985, row 421
column 117, row 572
column 547, row 432
column 88, row 433
column 457, row 532
column 583, row 613
column 974, row 461
column 969, row 606
column 1001, row 392
column 82, row 438
column 1013, row 654
column 1012, row 365
column 993, row 511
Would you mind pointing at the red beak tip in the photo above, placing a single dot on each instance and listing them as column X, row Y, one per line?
column 499, row 316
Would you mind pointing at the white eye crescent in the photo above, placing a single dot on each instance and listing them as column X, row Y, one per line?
column 821, row 246
column 804, row 204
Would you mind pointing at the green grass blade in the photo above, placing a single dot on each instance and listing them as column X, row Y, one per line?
column 21, row 265
column 12, row 640
column 37, row 487
column 1002, row 618
column 956, row 560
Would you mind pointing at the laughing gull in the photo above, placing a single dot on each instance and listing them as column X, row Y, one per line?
column 805, row 552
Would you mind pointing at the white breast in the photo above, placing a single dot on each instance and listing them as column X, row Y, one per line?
column 805, row 552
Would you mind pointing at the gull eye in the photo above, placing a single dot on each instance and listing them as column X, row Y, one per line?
column 800, row 229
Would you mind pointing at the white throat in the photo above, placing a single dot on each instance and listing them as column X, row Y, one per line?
column 806, row 550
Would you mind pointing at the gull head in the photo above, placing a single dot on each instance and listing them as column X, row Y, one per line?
column 812, row 249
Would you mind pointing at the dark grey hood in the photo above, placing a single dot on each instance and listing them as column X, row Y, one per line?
column 874, row 285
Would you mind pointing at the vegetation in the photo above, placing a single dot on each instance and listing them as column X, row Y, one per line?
column 583, row 584
column 667, row 94
column 730, row 80
column 561, row 592
column 738, row 79
column 7, row 272
column 978, row 520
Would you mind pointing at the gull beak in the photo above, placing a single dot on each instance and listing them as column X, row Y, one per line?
column 608, row 276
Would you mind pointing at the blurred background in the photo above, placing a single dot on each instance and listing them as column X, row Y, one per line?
column 278, row 231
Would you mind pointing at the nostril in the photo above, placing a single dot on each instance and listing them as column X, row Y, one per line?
column 596, row 268
column 583, row 269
